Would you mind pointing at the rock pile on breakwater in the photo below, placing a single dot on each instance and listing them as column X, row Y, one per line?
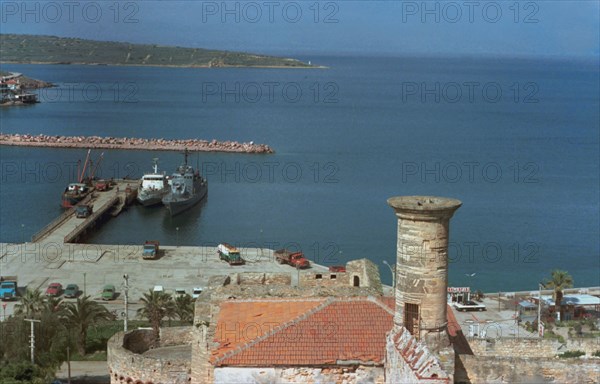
column 131, row 143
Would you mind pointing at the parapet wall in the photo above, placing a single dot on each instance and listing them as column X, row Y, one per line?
column 495, row 369
column 259, row 278
column 127, row 365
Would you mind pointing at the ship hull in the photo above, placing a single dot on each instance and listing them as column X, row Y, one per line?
column 150, row 199
column 177, row 205
column 69, row 201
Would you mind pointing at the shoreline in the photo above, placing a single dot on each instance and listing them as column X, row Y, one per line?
column 132, row 143
column 163, row 65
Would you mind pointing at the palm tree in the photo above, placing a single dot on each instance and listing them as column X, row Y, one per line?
column 184, row 308
column 54, row 305
column 559, row 280
column 156, row 305
column 31, row 304
column 83, row 314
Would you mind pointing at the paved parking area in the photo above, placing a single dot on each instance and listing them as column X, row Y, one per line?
column 491, row 323
column 91, row 266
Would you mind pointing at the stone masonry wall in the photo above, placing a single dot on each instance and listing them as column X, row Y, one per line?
column 259, row 278
column 531, row 347
column 128, row 367
column 494, row 369
column 361, row 374
column 326, row 279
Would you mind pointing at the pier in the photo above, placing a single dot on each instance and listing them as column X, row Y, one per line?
column 68, row 228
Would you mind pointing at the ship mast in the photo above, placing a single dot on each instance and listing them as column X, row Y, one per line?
column 97, row 164
column 87, row 158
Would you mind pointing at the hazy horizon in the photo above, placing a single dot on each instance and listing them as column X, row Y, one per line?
column 525, row 29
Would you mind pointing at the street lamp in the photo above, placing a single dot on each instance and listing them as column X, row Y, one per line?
column 32, row 338
column 393, row 270
column 84, row 290
column 22, row 233
column 177, row 231
column 470, row 276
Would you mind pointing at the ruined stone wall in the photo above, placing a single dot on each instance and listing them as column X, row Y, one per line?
column 493, row 369
column 324, row 279
column 259, row 278
column 362, row 374
column 126, row 366
column 205, row 314
column 365, row 273
column 410, row 361
column 520, row 347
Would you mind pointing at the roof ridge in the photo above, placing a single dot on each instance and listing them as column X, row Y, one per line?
column 275, row 330
column 274, row 299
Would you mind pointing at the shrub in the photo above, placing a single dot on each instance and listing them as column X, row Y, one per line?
column 596, row 354
column 570, row 354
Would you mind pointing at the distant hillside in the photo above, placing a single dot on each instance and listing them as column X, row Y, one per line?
column 40, row 49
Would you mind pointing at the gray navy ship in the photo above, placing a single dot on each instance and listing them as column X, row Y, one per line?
column 188, row 188
column 153, row 187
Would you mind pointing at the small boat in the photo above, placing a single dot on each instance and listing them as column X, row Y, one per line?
column 153, row 187
column 187, row 188
column 75, row 192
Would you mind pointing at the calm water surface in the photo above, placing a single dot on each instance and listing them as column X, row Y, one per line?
column 516, row 141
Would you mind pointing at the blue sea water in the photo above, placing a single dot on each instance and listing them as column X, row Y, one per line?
column 516, row 140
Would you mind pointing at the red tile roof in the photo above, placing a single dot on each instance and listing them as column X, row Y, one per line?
column 302, row 332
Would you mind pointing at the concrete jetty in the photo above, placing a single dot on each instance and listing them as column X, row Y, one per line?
column 132, row 143
column 68, row 228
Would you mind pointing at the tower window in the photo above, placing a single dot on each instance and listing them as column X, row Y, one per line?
column 411, row 318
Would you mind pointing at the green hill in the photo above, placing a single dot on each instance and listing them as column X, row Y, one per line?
column 39, row 49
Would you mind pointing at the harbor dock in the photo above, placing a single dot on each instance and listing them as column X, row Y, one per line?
column 68, row 228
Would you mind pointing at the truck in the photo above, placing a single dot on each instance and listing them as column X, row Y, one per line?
column 150, row 250
column 8, row 288
column 230, row 254
column 295, row 259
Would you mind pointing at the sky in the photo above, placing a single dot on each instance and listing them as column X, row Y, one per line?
column 550, row 28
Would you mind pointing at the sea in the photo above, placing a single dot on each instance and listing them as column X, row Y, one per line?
column 516, row 140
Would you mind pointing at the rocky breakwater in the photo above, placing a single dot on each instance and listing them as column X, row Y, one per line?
column 132, row 143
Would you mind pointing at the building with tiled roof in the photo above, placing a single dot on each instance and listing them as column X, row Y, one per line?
column 334, row 327
column 303, row 332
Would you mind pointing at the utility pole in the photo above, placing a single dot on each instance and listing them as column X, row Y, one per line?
column 32, row 338
column 126, row 277
column 540, row 326
column 68, row 365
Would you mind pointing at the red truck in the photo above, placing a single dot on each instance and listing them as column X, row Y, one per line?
column 296, row 259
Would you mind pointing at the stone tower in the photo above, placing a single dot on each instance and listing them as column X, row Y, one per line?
column 422, row 267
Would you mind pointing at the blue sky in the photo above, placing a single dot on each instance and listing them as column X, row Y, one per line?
column 505, row 28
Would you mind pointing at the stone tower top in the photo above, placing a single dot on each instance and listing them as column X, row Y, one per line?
column 423, row 206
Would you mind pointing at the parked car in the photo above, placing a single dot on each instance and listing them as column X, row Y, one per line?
column 158, row 288
column 54, row 289
column 83, row 211
column 180, row 292
column 72, row 290
column 470, row 306
column 196, row 292
column 108, row 292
